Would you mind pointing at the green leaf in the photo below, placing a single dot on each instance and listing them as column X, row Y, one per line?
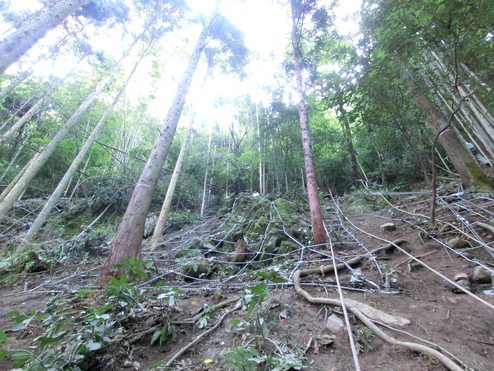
column 51, row 340
column 139, row 272
column 161, row 334
column 260, row 290
column 156, row 335
column 18, row 326
column 21, row 357
column 3, row 336
column 235, row 321
column 93, row 345
column 3, row 353
column 202, row 322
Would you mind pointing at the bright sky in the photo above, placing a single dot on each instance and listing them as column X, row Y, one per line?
column 266, row 25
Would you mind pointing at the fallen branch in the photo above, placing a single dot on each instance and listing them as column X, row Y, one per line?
column 447, row 362
column 330, row 267
column 197, row 339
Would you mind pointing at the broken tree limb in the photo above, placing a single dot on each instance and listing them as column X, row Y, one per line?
column 330, row 267
column 197, row 339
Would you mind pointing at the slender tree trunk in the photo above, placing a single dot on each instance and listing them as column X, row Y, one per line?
column 15, row 113
column 348, row 137
column 11, row 185
column 79, row 181
column 15, row 45
column 33, row 169
column 165, row 208
column 34, row 109
column 57, row 193
column 318, row 230
column 127, row 241
column 14, row 157
column 204, row 186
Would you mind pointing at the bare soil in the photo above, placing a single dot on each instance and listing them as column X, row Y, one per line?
column 440, row 315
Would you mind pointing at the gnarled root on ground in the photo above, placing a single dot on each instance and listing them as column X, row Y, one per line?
column 447, row 362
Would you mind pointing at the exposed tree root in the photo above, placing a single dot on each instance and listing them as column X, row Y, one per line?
column 447, row 362
column 198, row 338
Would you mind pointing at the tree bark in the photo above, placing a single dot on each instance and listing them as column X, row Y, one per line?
column 57, row 193
column 351, row 150
column 165, row 208
column 35, row 108
column 465, row 164
column 204, row 185
column 15, row 45
column 21, row 185
column 127, row 241
column 318, row 230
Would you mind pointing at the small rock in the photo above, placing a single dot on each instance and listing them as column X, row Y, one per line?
column 388, row 227
column 127, row 364
column 481, row 275
column 335, row 324
column 462, row 280
column 461, row 276
column 452, row 300
column 459, row 243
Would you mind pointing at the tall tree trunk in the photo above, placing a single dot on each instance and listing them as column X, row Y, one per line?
column 21, row 173
column 127, row 241
column 57, row 193
column 465, row 164
column 165, row 208
column 21, row 185
column 14, row 157
column 35, row 108
column 24, row 104
column 318, row 230
column 204, row 186
column 348, row 138
column 15, row 45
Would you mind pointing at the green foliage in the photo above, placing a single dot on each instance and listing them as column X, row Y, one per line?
column 178, row 219
column 282, row 362
column 132, row 266
column 119, row 292
column 207, row 313
column 364, row 337
column 64, row 344
column 113, row 191
column 21, row 321
column 240, row 358
column 168, row 299
column 105, row 10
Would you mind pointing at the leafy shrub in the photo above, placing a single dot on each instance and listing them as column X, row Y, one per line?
column 111, row 191
column 177, row 220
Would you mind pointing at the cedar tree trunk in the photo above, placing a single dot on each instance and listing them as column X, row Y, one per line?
column 15, row 45
column 318, row 230
column 127, row 241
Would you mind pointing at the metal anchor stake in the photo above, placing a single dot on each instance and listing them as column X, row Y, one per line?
column 387, row 286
